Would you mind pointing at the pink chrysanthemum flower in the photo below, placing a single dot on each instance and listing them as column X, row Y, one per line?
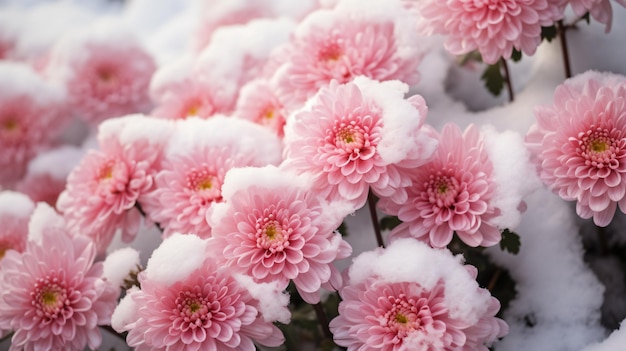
column 190, row 98
column 273, row 229
column 15, row 211
column 259, row 103
column 600, row 10
column 207, row 310
column 102, row 191
column 328, row 46
column 197, row 159
column 31, row 116
column 188, row 185
column 54, row 296
column 359, row 135
column 399, row 307
column 494, row 28
column 105, row 71
column 580, row 144
column 450, row 194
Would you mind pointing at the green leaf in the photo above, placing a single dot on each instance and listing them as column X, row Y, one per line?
column 494, row 81
column 510, row 242
column 548, row 33
column 389, row 222
column 516, row 56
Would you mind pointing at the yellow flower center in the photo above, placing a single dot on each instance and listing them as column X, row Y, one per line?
column 599, row 146
column 402, row 319
column 10, row 125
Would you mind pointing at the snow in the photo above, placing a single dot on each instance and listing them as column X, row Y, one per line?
column 19, row 79
column 57, row 162
column 273, row 301
column 44, row 219
column 119, row 264
column 133, row 128
column 15, row 204
column 176, row 258
column 409, row 260
column 125, row 312
column 269, row 177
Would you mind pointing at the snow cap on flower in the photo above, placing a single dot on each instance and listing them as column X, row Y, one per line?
column 175, row 259
column 203, row 307
column 45, row 220
column 259, row 103
column 119, row 264
column 579, row 144
column 47, row 173
column 422, row 298
column 272, row 228
column 494, row 29
column 199, row 154
column 105, row 71
column 359, row 135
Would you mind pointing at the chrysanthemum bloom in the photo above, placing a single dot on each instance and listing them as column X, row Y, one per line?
column 105, row 76
column 189, row 100
column 427, row 302
column 188, row 185
column 197, row 159
column 359, row 135
column 273, row 229
column 259, row 103
column 202, row 308
column 600, row 10
column 31, row 116
column 451, row 193
column 102, row 191
column 347, row 42
column 494, row 28
column 54, row 296
column 15, row 211
column 580, row 144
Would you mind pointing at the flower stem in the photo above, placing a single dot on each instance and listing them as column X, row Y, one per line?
column 564, row 51
column 7, row 337
column 371, row 200
column 507, row 77
column 494, row 279
column 323, row 320
column 143, row 213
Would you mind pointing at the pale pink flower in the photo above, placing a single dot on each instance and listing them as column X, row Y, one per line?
column 104, row 79
column 207, row 310
column 31, row 117
column 279, row 231
column 54, row 296
column 358, row 136
column 198, row 156
column 41, row 187
column 600, row 10
column 339, row 45
column 191, row 98
column 102, row 191
column 579, row 144
column 452, row 193
column 187, row 187
column 494, row 28
column 259, row 103
column 406, row 310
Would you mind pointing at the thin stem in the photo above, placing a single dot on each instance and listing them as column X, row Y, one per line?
column 371, row 200
column 143, row 213
column 507, row 77
column 494, row 279
column 112, row 331
column 564, row 50
column 323, row 320
column 7, row 337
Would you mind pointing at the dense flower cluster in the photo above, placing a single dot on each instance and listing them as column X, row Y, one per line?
column 192, row 176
